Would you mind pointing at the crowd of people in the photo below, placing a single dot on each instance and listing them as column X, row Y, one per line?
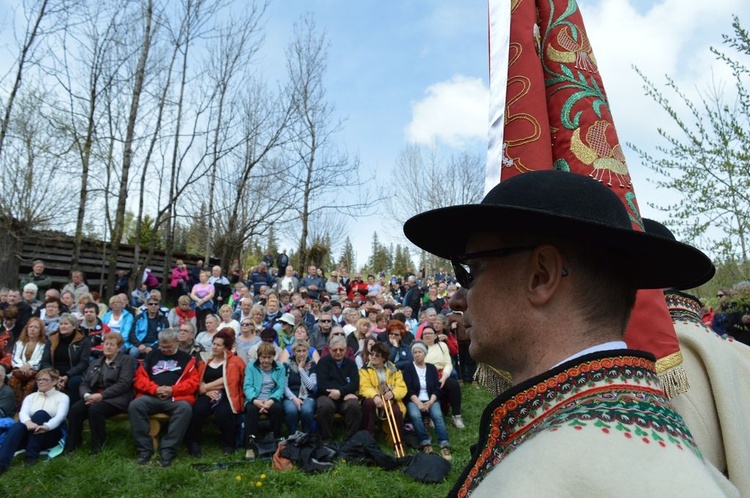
column 238, row 348
column 732, row 318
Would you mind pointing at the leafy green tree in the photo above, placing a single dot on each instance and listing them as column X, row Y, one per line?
column 707, row 160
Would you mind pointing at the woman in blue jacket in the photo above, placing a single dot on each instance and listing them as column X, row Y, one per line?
column 265, row 380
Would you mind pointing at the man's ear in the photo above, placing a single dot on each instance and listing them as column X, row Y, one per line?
column 545, row 273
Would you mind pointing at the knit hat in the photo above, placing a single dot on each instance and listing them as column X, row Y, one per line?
column 419, row 345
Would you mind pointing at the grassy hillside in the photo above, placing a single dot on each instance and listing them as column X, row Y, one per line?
column 114, row 473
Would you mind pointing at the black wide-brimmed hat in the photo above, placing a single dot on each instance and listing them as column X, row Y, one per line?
column 562, row 204
column 653, row 227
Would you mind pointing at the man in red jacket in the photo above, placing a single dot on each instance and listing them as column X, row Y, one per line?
column 165, row 382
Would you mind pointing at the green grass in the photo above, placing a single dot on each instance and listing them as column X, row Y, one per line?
column 114, row 473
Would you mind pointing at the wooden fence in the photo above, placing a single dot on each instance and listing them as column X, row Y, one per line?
column 56, row 250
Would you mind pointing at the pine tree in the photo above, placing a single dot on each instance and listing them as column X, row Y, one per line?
column 197, row 231
column 273, row 244
column 401, row 260
column 380, row 260
column 347, row 255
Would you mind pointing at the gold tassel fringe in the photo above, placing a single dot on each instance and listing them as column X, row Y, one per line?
column 672, row 375
column 494, row 380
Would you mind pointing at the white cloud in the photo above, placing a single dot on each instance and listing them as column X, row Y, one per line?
column 453, row 112
column 670, row 37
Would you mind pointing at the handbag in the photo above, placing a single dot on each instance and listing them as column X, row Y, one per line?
column 267, row 445
column 281, row 463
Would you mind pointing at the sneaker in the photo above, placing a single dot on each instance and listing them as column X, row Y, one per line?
column 458, row 422
column 250, row 454
column 165, row 461
column 427, row 448
column 143, row 458
column 445, row 452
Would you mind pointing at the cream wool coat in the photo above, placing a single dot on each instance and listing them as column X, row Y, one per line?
column 717, row 404
column 596, row 426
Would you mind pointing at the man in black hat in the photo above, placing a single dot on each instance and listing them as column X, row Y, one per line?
column 549, row 266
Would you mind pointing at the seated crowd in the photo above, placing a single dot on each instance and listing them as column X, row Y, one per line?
column 266, row 355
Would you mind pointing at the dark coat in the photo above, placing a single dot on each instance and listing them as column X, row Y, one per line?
column 345, row 379
column 413, row 299
column 401, row 356
column 412, row 381
column 79, row 352
column 353, row 343
column 113, row 381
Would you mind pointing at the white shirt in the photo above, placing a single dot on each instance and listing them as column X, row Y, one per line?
column 422, row 374
column 605, row 346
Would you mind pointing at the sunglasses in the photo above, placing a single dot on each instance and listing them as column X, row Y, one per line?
column 462, row 269
column 153, row 304
column 246, row 324
column 325, row 321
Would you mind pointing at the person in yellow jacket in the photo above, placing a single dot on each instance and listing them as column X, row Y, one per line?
column 380, row 382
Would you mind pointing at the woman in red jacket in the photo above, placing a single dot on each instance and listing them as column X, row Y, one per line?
column 219, row 393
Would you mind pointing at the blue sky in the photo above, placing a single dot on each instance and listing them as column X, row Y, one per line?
column 398, row 68
column 415, row 71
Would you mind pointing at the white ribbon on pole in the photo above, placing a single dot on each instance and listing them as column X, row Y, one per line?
column 499, row 46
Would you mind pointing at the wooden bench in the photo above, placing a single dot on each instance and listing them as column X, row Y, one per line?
column 154, row 425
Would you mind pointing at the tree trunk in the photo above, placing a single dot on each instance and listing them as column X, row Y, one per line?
column 10, row 248
column 127, row 155
column 168, row 250
column 85, row 162
column 22, row 59
column 214, row 166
